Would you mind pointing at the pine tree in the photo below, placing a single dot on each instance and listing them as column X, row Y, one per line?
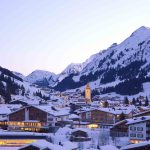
column 126, row 101
column 122, row 116
column 72, row 108
column 137, row 101
column 105, row 105
column 140, row 103
column 146, row 101
column 133, row 101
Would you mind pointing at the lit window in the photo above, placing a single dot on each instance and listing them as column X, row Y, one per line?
column 92, row 126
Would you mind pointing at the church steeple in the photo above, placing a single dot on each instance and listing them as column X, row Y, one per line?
column 88, row 93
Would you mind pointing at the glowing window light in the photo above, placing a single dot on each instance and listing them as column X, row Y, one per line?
column 10, row 142
column 39, row 124
column 92, row 126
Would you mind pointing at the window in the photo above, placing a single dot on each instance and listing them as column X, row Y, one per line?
column 133, row 128
column 50, row 119
column 132, row 135
column 140, row 135
column 139, row 129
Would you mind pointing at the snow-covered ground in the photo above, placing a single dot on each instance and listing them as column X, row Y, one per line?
column 9, row 148
column 99, row 137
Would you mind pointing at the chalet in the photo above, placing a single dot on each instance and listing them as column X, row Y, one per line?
column 36, row 118
column 103, row 117
column 119, row 129
column 79, row 135
column 139, row 129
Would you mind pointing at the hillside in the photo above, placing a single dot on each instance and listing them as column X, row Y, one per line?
column 126, row 65
column 13, row 87
column 41, row 78
column 121, row 68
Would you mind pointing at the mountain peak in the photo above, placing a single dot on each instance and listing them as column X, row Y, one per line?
column 143, row 28
column 73, row 68
column 141, row 31
column 38, row 75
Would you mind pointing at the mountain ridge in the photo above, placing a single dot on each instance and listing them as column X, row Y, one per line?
column 125, row 61
column 128, row 60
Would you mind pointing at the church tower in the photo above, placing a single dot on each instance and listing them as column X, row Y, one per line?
column 88, row 93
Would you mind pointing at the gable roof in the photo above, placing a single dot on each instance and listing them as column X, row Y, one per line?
column 8, row 108
column 48, row 109
column 107, row 110
column 52, row 110
column 138, row 120
column 141, row 113
column 43, row 144
column 138, row 145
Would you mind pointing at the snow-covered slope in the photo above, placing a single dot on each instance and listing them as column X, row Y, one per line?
column 13, row 87
column 70, row 69
column 122, row 68
column 128, row 60
column 18, row 74
column 122, row 54
column 41, row 77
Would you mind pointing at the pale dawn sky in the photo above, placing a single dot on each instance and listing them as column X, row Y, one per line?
column 51, row 34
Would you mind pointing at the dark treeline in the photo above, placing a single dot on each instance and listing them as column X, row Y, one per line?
column 8, row 87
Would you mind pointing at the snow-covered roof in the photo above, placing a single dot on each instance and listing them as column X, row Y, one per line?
column 109, row 147
column 8, row 108
column 81, row 129
column 141, row 144
column 120, row 122
column 64, row 130
column 13, row 133
column 4, row 110
column 108, row 110
column 74, row 116
column 138, row 120
column 42, row 144
column 27, row 101
column 53, row 111
column 70, row 145
column 141, row 113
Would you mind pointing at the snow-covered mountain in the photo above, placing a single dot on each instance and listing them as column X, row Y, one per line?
column 115, row 66
column 42, row 78
column 70, row 69
column 49, row 79
column 14, row 87
column 122, row 68
column 18, row 74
